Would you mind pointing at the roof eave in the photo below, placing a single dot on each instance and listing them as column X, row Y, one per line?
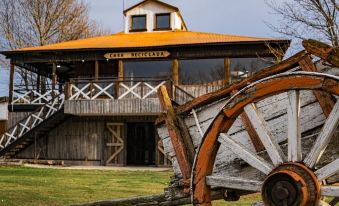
column 282, row 41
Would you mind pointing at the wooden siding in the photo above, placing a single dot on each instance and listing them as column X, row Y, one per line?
column 15, row 117
column 3, row 126
column 75, row 139
column 149, row 106
column 84, row 140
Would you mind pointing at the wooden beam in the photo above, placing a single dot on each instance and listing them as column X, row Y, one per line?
column 120, row 70
column 255, row 139
column 38, row 81
column 182, row 144
column 54, row 79
column 120, row 76
column 227, row 67
column 325, row 100
column 323, row 51
column 96, row 70
column 175, row 71
column 11, row 83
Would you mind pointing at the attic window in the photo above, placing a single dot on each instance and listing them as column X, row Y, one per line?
column 138, row 23
column 163, row 21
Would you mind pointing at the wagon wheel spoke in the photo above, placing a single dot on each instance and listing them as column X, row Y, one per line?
column 260, row 126
column 324, row 137
column 234, row 183
column 260, row 203
column 330, row 191
column 250, row 157
column 293, row 126
column 323, row 203
column 328, row 170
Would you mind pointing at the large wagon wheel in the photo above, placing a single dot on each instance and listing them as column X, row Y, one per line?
column 288, row 179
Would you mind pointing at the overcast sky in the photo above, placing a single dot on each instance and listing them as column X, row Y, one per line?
column 241, row 17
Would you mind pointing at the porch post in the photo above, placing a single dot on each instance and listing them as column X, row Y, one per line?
column 227, row 67
column 175, row 71
column 96, row 72
column 54, row 79
column 120, row 76
column 11, row 83
column 38, row 83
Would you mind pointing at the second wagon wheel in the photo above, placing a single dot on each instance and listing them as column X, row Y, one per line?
column 298, row 167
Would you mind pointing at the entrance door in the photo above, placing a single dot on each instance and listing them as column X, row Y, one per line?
column 140, row 144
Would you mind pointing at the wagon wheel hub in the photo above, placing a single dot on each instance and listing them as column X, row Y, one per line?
column 291, row 184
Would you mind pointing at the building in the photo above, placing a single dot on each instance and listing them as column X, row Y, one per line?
column 99, row 103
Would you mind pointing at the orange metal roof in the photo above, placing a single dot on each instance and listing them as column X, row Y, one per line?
column 146, row 39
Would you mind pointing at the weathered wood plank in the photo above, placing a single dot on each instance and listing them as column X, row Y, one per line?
column 325, row 135
column 182, row 143
column 234, row 183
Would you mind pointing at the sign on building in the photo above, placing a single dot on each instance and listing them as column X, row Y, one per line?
column 137, row 55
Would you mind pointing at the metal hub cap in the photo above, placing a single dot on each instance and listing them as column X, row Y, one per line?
column 291, row 184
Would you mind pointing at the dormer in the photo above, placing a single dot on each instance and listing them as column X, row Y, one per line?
column 153, row 16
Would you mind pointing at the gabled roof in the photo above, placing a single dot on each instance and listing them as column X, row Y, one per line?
column 156, row 1
column 148, row 40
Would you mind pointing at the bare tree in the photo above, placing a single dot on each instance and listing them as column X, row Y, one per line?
column 304, row 19
column 25, row 23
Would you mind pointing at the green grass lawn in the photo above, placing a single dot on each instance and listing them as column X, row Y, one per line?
column 21, row 186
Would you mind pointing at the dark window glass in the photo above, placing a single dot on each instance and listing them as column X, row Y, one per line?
column 163, row 21
column 201, row 71
column 139, row 23
column 148, row 69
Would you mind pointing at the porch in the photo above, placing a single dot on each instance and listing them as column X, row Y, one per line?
column 107, row 96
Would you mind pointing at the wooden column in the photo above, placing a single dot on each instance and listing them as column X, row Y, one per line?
column 38, row 79
column 120, row 70
column 11, row 83
column 120, row 76
column 175, row 71
column 227, row 67
column 96, row 72
column 54, row 78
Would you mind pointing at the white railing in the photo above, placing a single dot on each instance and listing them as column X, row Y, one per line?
column 30, row 95
column 31, row 121
column 114, row 89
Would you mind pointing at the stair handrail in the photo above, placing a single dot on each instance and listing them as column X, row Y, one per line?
column 32, row 120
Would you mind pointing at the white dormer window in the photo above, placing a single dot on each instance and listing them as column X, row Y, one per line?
column 163, row 21
column 138, row 23
column 153, row 16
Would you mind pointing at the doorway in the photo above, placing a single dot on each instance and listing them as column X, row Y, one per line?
column 140, row 144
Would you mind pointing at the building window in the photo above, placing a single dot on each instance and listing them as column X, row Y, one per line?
column 163, row 21
column 138, row 23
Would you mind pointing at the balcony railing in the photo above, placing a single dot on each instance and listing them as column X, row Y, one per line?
column 89, row 89
column 23, row 94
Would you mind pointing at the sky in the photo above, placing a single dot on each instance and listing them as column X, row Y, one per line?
column 240, row 17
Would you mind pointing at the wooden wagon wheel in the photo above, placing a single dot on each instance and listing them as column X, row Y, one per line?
column 288, row 179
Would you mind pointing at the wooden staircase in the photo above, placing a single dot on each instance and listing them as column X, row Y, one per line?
column 34, row 126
